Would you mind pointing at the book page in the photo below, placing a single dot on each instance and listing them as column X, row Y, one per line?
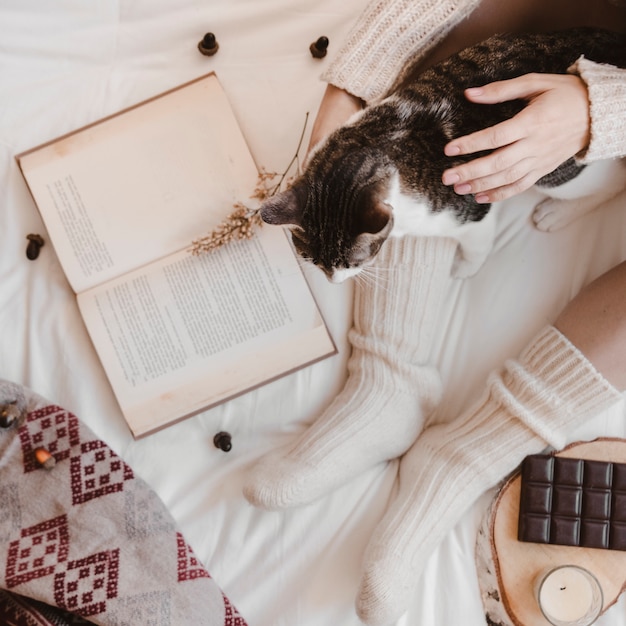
column 191, row 331
column 141, row 184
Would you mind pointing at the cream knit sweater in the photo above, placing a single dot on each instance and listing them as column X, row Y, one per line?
column 390, row 32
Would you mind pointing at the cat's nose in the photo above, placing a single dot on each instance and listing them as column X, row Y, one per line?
column 336, row 276
column 339, row 275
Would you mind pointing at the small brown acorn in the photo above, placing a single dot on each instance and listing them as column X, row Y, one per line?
column 35, row 243
column 223, row 441
column 319, row 48
column 208, row 46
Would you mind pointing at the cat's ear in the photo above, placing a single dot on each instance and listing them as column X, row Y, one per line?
column 374, row 225
column 374, row 216
column 366, row 247
column 285, row 207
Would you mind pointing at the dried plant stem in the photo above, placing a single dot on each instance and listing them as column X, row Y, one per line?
column 243, row 221
column 295, row 158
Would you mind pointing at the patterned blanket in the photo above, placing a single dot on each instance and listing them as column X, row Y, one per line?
column 82, row 538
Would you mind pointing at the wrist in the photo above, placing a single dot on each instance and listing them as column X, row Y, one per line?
column 584, row 128
column 336, row 107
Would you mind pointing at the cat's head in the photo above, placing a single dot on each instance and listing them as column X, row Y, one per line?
column 338, row 212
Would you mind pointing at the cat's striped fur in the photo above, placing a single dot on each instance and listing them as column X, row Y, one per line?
column 380, row 174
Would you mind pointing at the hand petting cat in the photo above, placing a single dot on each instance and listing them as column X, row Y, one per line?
column 553, row 127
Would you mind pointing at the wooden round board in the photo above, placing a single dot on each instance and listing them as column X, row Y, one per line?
column 508, row 568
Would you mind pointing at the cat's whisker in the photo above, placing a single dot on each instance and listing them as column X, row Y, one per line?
column 369, row 278
column 366, row 281
column 360, row 280
column 374, row 282
column 369, row 283
column 380, row 276
column 378, row 268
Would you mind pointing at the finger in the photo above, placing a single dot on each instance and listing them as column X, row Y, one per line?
column 521, row 87
column 506, row 191
column 505, row 178
column 494, row 164
column 498, row 136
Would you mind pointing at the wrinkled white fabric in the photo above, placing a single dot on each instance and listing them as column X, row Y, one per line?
column 67, row 63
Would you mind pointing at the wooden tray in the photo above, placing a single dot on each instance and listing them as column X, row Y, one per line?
column 508, row 568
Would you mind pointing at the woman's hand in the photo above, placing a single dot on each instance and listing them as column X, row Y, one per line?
column 551, row 128
column 336, row 108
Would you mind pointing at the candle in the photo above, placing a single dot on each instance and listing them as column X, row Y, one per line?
column 570, row 596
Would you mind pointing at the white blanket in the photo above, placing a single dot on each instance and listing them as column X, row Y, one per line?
column 66, row 63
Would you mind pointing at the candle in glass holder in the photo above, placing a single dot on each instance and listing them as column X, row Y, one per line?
column 570, row 596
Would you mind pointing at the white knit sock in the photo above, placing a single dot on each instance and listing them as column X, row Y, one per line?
column 390, row 386
column 535, row 401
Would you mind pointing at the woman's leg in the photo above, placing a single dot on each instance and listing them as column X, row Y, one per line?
column 391, row 384
column 568, row 373
column 595, row 322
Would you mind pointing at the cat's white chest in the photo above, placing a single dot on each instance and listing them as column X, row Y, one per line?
column 412, row 216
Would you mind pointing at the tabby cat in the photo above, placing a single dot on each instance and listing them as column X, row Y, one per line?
column 379, row 175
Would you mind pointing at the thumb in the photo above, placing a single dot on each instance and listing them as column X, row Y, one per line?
column 520, row 88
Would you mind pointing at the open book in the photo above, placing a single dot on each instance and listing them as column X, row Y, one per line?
column 122, row 200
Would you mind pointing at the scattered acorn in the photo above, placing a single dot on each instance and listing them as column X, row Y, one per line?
column 223, row 441
column 319, row 48
column 35, row 243
column 208, row 46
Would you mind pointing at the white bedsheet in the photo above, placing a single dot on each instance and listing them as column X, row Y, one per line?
column 65, row 63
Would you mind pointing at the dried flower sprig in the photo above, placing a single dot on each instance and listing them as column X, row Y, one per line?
column 243, row 222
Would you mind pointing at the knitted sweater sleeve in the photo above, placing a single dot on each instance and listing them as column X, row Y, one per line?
column 387, row 34
column 606, row 85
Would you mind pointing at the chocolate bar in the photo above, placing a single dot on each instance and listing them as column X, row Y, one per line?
column 573, row 502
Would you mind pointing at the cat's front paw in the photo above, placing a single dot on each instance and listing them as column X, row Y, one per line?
column 552, row 214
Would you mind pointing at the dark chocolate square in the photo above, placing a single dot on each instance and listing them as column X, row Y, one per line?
column 619, row 507
column 568, row 471
column 596, row 504
column 598, row 474
column 565, row 531
column 534, row 528
column 567, row 501
column 538, row 468
column 538, row 498
column 617, row 540
column 619, row 477
column 594, row 534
